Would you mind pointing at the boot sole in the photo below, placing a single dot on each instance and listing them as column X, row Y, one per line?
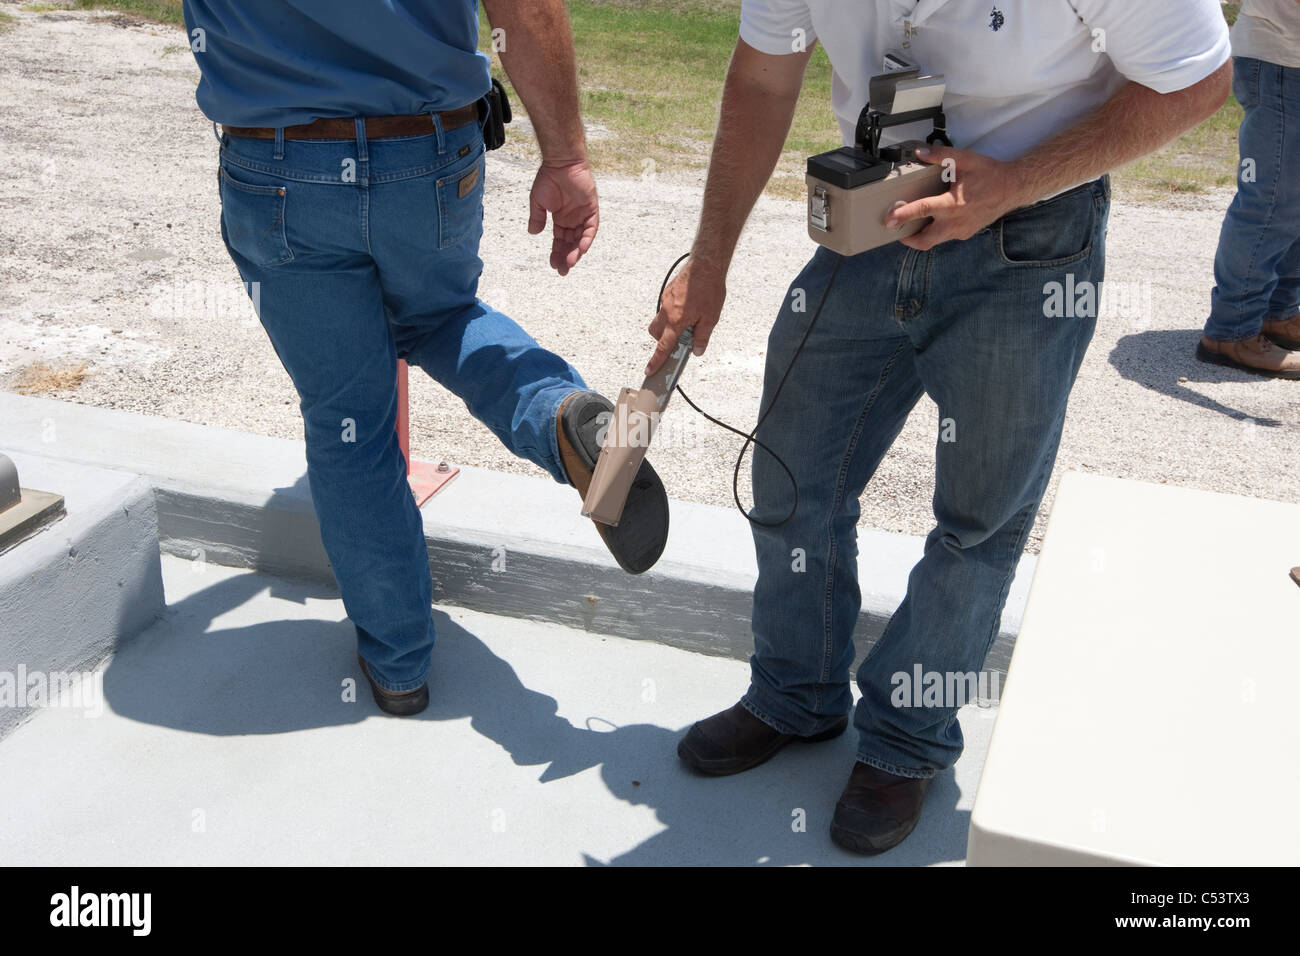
column 865, row 846
column 725, row 768
column 639, row 538
column 1212, row 358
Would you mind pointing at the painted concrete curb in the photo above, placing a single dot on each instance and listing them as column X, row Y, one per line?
column 500, row 543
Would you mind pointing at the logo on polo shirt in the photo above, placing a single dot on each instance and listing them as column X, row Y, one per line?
column 996, row 20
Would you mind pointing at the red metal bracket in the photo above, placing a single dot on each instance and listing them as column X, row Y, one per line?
column 425, row 478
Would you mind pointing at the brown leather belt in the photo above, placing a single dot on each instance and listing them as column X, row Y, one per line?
column 377, row 127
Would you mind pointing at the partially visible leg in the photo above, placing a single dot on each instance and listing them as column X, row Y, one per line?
column 1285, row 301
column 846, row 398
column 1282, row 324
column 425, row 234
column 847, row 395
column 506, row 380
column 1000, row 370
column 323, row 312
column 1282, row 321
column 426, row 237
column 1261, row 226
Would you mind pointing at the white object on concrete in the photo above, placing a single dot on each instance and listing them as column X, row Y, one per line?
column 1149, row 712
column 71, row 592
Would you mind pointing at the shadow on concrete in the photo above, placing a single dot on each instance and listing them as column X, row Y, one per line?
column 1163, row 360
column 283, row 676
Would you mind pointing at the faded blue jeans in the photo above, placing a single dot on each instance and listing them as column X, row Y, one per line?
column 1257, row 266
column 980, row 327
column 365, row 252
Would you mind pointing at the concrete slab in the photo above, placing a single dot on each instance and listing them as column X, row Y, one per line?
column 80, row 585
column 501, row 543
column 228, row 739
column 1149, row 713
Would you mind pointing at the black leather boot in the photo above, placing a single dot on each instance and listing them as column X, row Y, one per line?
column 877, row 810
column 736, row 740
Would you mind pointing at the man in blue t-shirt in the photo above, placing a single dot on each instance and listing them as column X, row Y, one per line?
column 351, row 178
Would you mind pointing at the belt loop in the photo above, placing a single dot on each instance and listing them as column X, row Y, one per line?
column 438, row 130
column 279, row 142
column 363, row 151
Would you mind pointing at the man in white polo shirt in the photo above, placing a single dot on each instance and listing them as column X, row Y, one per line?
column 1044, row 96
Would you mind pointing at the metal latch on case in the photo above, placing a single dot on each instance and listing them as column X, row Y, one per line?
column 819, row 210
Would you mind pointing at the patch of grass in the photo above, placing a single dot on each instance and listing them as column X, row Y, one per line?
column 651, row 72
column 164, row 11
column 1203, row 158
column 6, row 21
column 40, row 379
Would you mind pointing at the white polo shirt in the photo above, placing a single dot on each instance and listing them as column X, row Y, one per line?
column 1018, row 71
column 1268, row 30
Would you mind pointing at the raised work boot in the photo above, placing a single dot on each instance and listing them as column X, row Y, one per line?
column 639, row 539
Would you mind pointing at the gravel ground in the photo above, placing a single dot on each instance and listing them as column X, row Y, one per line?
column 110, row 243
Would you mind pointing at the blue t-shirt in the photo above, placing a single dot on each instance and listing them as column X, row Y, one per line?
column 285, row 62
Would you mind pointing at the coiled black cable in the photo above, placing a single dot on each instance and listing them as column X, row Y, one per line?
column 750, row 436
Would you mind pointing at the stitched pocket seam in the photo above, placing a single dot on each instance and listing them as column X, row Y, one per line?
column 276, row 230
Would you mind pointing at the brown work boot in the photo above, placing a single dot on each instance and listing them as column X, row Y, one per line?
column 638, row 539
column 1258, row 355
column 1284, row 332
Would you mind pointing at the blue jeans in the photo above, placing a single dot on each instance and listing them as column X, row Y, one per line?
column 1257, row 266
column 365, row 252
column 979, row 326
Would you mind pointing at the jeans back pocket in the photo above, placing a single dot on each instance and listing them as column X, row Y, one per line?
column 460, row 201
column 253, row 216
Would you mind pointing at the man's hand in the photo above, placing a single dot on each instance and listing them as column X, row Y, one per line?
column 693, row 299
column 982, row 191
column 538, row 57
column 758, row 101
column 1133, row 122
column 568, row 192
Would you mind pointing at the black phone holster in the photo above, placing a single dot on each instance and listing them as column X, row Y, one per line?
column 495, row 106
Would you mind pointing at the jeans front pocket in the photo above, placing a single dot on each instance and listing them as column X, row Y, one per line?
column 460, row 200
column 1056, row 232
column 253, row 220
